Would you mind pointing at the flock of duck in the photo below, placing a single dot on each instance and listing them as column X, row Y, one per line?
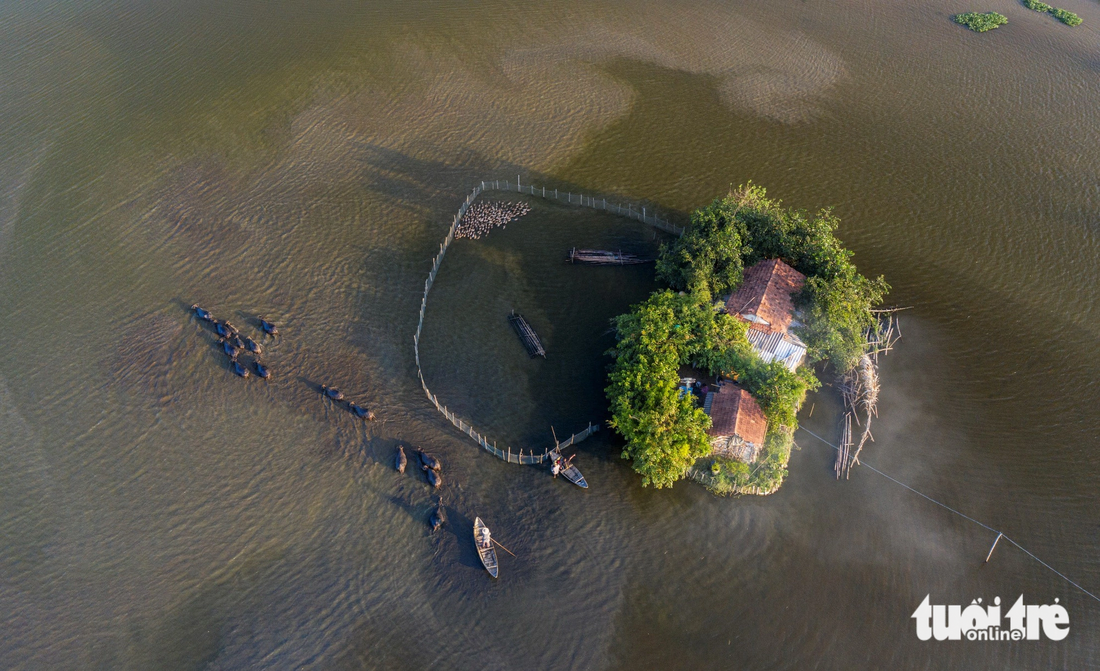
column 483, row 216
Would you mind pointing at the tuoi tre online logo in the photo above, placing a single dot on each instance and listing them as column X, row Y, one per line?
column 978, row 623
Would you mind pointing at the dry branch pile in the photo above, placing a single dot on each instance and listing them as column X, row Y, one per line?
column 859, row 389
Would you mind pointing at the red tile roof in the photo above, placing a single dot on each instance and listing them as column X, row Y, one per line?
column 734, row 412
column 766, row 294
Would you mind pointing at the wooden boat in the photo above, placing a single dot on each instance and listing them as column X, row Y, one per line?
column 527, row 335
column 572, row 474
column 604, row 257
column 488, row 555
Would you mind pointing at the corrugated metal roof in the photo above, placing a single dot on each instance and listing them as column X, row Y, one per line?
column 785, row 347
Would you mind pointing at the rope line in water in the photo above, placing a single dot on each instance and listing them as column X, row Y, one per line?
column 962, row 515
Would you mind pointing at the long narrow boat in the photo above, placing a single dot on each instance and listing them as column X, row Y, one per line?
column 572, row 474
column 488, row 555
column 527, row 336
column 604, row 257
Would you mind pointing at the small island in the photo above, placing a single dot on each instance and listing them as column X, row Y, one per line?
column 709, row 373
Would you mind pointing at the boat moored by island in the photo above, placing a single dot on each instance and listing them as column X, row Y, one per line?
column 488, row 554
column 604, row 257
column 570, row 472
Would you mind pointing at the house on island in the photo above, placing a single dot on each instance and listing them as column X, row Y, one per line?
column 764, row 300
column 738, row 424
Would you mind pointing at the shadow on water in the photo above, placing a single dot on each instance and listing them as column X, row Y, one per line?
column 461, row 528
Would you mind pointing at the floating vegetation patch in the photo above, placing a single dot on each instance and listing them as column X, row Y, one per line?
column 1037, row 6
column 979, row 22
column 1066, row 17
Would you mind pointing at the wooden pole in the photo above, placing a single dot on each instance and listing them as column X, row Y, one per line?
column 999, row 534
column 502, row 547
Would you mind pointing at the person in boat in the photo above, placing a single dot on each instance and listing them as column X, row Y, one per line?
column 486, row 539
column 555, row 468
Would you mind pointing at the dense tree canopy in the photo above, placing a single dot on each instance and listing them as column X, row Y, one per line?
column 745, row 227
column 665, row 431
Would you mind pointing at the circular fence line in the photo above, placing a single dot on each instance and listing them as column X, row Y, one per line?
column 631, row 210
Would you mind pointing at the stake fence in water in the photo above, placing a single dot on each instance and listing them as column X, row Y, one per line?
column 629, row 210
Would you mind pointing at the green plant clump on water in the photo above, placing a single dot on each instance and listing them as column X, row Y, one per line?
column 1066, row 17
column 979, row 22
column 665, row 430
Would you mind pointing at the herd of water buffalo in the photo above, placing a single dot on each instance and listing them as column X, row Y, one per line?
column 433, row 468
column 229, row 337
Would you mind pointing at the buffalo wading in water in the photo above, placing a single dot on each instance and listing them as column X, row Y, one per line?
column 202, row 314
column 228, row 348
column 428, row 462
column 401, row 461
column 268, row 327
column 439, row 516
column 361, row 412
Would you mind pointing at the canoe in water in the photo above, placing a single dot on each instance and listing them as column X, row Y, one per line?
column 572, row 474
column 489, row 554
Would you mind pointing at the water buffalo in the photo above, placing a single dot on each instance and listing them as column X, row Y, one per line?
column 361, row 412
column 262, row 370
column 228, row 348
column 438, row 517
column 332, row 392
column 220, row 329
column 202, row 314
column 239, row 369
column 268, row 327
column 401, row 461
column 435, row 478
column 428, row 462
column 252, row 346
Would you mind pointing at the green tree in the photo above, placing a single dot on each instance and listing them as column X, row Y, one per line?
column 707, row 257
column 837, row 314
column 665, row 432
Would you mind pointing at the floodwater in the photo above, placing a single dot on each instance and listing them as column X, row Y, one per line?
column 303, row 160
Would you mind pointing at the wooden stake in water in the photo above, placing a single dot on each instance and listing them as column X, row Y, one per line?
column 999, row 534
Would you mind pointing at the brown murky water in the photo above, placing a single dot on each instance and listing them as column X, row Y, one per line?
column 303, row 161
